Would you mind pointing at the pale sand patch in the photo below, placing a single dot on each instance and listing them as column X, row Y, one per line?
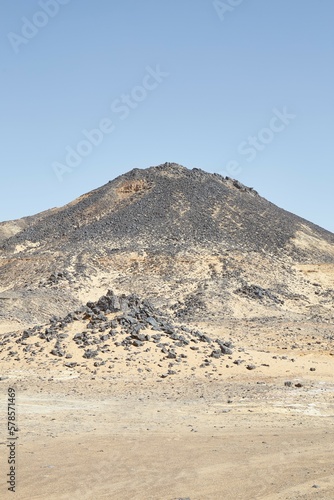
column 305, row 240
column 319, row 273
column 10, row 326
column 29, row 245
column 10, row 228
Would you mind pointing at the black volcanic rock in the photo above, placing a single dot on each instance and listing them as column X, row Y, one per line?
column 166, row 206
column 174, row 349
column 192, row 242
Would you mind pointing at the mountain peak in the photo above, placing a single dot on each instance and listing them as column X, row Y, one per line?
column 168, row 233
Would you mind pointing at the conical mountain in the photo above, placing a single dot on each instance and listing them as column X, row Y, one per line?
column 197, row 244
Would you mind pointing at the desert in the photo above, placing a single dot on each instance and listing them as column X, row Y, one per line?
column 168, row 336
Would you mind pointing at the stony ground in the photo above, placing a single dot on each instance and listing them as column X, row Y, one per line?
column 132, row 423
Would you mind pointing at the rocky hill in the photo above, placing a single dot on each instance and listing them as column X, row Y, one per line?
column 196, row 245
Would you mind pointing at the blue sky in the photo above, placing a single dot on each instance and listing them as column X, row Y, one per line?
column 243, row 89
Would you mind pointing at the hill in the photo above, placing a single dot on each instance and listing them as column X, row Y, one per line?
column 197, row 245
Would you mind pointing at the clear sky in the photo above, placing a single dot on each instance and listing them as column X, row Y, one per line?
column 239, row 87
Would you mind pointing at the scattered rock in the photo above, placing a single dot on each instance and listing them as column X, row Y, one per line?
column 90, row 354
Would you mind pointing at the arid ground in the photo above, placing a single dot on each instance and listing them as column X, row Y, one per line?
column 233, row 434
column 169, row 336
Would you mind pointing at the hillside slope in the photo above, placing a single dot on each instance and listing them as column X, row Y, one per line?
column 196, row 244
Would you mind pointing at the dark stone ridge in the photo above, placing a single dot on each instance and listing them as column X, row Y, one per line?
column 256, row 292
column 123, row 318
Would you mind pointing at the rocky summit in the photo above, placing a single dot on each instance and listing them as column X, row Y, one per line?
column 196, row 245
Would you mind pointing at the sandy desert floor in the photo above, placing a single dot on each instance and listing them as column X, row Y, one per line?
column 233, row 434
